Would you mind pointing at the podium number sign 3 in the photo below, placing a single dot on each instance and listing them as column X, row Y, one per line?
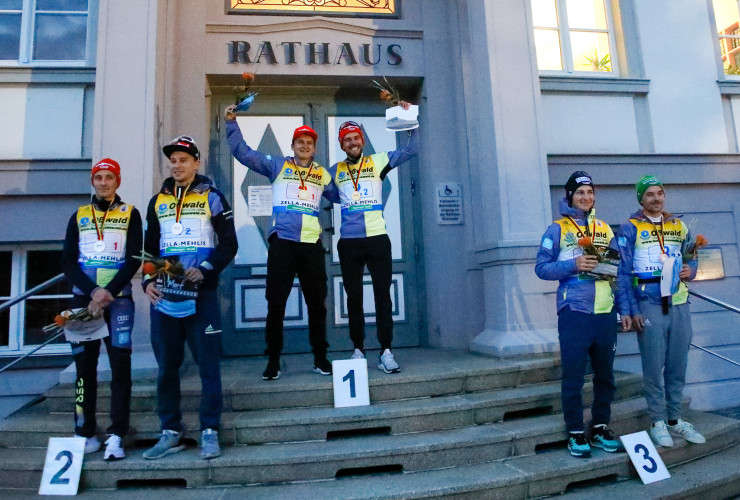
column 645, row 457
column 63, row 466
column 350, row 383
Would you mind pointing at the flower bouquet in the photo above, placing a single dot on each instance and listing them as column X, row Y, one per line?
column 152, row 266
column 245, row 98
column 692, row 251
column 78, row 325
column 396, row 118
column 608, row 258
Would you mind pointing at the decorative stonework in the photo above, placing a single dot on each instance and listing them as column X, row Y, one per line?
column 363, row 8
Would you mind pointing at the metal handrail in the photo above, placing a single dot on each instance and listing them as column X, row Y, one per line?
column 20, row 298
column 724, row 305
column 43, row 286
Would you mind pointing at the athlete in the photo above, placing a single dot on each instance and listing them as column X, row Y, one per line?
column 190, row 224
column 99, row 259
column 587, row 319
column 298, row 184
column 649, row 240
column 364, row 241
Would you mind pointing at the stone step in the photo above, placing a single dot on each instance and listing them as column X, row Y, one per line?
column 477, row 472
column 425, row 373
column 715, row 476
column 32, row 428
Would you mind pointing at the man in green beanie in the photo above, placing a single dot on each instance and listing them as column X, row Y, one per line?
column 652, row 246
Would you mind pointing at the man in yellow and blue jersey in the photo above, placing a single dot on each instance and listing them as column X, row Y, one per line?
column 190, row 224
column 651, row 238
column 99, row 259
column 298, row 183
column 364, row 240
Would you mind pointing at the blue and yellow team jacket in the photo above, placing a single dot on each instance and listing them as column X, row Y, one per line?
column 364, row 217
column 556, row 260
column 640, row 258
column 207, row 240
column 293, row 218
column 112, row 266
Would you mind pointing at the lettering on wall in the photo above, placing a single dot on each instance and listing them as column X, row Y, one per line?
column 309, row 53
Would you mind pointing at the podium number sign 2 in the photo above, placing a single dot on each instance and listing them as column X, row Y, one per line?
column 645, row 457
column 350, row 382
column 63, row 466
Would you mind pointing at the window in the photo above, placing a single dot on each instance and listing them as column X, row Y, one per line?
column 44, row 32
column 21, row 326
column 362, row 8
column 574, row 36
column 728, row 29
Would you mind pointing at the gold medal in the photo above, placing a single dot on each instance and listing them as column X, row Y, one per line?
column 356, row 196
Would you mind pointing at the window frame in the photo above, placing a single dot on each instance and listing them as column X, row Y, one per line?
column 729, row 77
column 27, row 37
column 566, row 55
column 17, row 319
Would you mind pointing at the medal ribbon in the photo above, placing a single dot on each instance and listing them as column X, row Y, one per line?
column 308, row 174
column 99, row 229
column 355, row 182
column 180, row 203
column 660, row 235
column 579, row 227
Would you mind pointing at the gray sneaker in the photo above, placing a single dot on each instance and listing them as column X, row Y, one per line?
column 358, row 354
column 209, row 447
column 387, row 362
column 168, row 444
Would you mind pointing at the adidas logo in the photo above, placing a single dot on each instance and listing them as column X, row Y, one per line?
column 211, row 331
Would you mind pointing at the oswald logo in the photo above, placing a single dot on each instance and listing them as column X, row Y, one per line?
column 162, row 207
column 84, row 221
column 124, row 208
column 342, row 175
column 645, row 234
column 288, row 171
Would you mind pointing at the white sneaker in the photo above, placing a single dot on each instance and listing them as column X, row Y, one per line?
column 114, row 448
column 91, row 444
column 686, row 430
column 659, row 434
column 387, row 362
column 358, row 354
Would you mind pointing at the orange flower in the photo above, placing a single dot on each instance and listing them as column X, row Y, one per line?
column 60, row 320
column 385, row 96
column 248, row 78
column 701, row 241
column 584, row 242
column 148, row 269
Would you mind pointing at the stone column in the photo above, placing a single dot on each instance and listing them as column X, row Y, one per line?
column 511, row 198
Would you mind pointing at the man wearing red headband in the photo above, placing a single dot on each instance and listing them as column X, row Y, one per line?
column 298, row 184
column 99, row 259
column 364, row 240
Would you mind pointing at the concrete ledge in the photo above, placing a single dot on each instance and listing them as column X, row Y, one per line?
column 515, row 343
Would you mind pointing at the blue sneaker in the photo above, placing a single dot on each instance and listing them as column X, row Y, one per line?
column 209, row 447
column 603, row 437
column 578, row 445
column 169, row 443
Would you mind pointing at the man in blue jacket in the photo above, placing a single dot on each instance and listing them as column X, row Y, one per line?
column 191, row 225
column 364, row 240
column 587, row 320
column 650, row 240
column 298, row 183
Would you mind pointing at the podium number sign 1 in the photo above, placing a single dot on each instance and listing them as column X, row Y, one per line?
column 63, row 466
column 645, row 457
column 350, row 382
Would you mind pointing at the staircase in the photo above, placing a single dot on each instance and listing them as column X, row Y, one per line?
column 451, row 424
